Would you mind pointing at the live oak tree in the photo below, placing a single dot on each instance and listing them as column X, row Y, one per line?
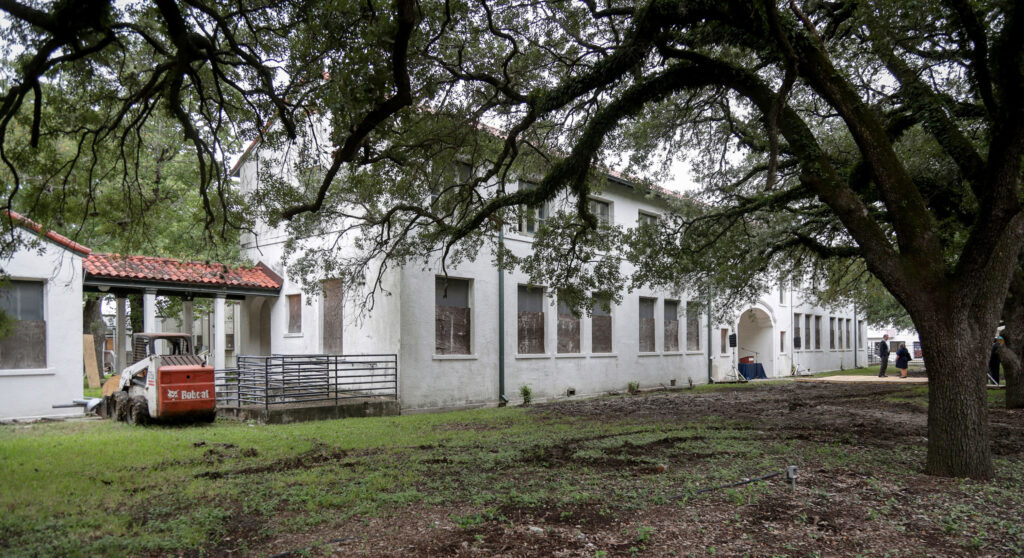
column 822, row 96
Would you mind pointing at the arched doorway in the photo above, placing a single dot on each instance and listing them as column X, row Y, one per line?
column 259, row 326
column 755, row 332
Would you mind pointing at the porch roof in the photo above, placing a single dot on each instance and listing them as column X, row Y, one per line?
column 172, row 277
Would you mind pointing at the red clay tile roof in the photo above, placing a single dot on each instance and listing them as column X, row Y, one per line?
column 29, row 224
column 147, row 268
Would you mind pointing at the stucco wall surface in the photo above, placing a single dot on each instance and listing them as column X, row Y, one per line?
column 31, row 393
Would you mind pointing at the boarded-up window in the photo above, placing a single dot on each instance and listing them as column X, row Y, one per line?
column 601, row 326
column 568, row 329
column 452, row 317
column 533, row 216
column 25, row 347
column 817, row 332
column 602, row 210
column 333, row 317
column 647, row 344
column 725, row 340
column 693, row 326
column 832, row 333
column 671, row 325
column 530, row 323
column 796, row 332
column 295, row 313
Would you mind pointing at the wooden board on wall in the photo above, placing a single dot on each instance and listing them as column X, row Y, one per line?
column 92, row 373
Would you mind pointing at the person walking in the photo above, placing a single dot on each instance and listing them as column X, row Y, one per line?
column 883, row 355
column 993, row 360
column 902, row 360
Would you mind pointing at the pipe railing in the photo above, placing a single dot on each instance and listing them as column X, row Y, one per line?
column 298, row 379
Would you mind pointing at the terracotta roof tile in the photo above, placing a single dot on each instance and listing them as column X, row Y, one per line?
column 29, row 224
column 147, row 268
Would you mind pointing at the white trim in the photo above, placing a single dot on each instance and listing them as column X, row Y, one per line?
column 28, row 372
column 455, row 357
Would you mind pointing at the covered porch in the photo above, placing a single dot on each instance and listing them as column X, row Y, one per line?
column 255, row 287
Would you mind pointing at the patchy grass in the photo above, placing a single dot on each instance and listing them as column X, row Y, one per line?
column 620, row 475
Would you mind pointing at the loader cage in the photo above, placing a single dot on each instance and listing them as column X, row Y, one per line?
column 307, row 379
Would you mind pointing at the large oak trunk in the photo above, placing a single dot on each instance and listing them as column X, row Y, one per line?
column 957, row 354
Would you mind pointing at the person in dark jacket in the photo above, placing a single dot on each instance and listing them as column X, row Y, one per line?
column 902, row 360
column 883, row 354
column 993, row 360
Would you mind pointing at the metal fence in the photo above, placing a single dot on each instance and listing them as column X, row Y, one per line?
column 311, row 379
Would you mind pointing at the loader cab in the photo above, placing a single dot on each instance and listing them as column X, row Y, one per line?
column 148, row 344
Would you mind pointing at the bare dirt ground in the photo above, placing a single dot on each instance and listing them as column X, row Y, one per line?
column 853, row 506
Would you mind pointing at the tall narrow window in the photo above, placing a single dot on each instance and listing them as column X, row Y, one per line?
column 782, row 341
column 671, row 325
column 849, row 342
column 807, row 331
column 531, row 217
column 601, row 326
column 832, row 333
column 458, row 173
column 530, row 323
column 568, row 329
column 782, row 292
column 798, row 341
column 602, row 210
column 333, row 313
column 692, row 326
column 817, row 332
column 646, row 326
column 839, row 334
column 25, row 346
column 725, row 340
column 452, row 325
column 295, row 313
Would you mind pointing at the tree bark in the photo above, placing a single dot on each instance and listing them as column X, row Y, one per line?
column 957, row 348
column 92, row 323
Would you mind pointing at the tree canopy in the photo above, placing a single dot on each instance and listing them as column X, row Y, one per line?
column 887, row 133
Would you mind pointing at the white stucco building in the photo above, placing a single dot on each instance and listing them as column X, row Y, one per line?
column 446, row 334
column 41, row 359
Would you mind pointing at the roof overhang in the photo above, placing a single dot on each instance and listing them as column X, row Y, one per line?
column 119, row 286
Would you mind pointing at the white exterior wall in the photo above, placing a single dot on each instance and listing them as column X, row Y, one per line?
column 31, row 393
column 430, row 381
column 403, row 323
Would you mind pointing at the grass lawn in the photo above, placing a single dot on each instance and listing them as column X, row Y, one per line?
column 614, row 476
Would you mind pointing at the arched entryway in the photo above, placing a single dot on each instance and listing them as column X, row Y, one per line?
column 259, row 326
column 755, row 332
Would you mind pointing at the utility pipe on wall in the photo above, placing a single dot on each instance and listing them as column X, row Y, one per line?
column 501, row 316
column 710, row 379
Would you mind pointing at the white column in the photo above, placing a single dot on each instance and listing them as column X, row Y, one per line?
column 243, row 345
column 219, row 330
column 186, row 315
column 149, row 311
column 120, row 358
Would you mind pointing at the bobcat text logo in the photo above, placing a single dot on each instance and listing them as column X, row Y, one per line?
column 187, row 394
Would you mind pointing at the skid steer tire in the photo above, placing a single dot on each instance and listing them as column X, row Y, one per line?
column 120, row 406
column 138, row 411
